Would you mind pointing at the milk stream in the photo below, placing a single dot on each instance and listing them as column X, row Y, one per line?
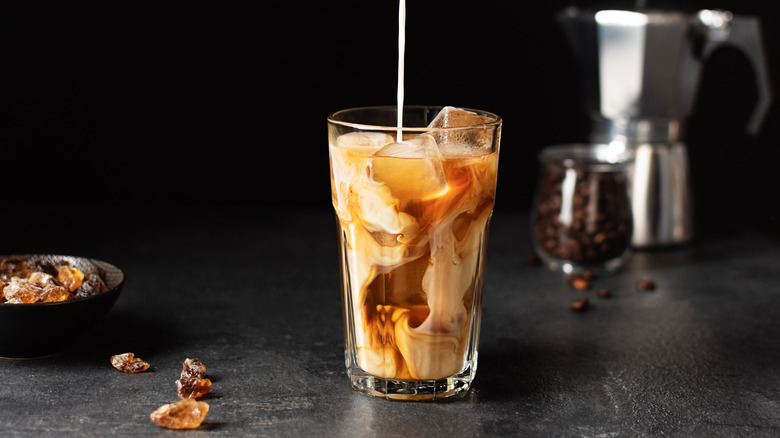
column 401, row 50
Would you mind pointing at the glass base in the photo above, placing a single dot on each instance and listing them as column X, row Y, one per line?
column 567, row 267
column 411, row 389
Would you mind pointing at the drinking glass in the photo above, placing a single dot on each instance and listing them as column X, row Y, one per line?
column 413, row 206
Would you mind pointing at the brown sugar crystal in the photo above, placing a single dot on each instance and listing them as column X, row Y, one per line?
column 184, row 414
column 26, row 280
column 192, row 382
column 53, row 294
column 193, row 368
column 128, row 363
column 93, row 284
column 34, row 290
column 21, row 291
column 70, row 277
column 192, row 387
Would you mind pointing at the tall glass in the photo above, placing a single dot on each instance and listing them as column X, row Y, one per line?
column 413, row 206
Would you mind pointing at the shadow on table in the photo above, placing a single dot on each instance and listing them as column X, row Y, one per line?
column 511, row 370
column 122, row 332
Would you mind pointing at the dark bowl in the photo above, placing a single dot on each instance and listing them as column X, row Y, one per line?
column 41, row 329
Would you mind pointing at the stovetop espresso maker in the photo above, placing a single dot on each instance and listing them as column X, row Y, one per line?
column 640, row 76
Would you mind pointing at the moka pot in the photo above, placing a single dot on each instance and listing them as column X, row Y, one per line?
column 640, row 76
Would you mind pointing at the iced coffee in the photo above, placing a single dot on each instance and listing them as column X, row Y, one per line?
column 413, row 207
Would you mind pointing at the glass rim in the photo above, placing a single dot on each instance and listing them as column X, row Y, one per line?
column 497, row 121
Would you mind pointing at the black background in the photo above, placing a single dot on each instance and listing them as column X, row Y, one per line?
column 121, row 106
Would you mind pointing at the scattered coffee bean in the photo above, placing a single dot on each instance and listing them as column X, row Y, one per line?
column 587, row 274
column 532, row 259
column 604, row 293
column 645, row 284
column 578, row 305
column 578, row 282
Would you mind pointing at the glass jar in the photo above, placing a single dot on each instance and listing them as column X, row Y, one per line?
column 581, row 217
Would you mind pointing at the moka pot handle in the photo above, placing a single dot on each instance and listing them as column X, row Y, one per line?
column 744, row 33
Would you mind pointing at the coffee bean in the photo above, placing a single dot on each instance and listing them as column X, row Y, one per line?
column 578, row 305
column 531, row 259
column 587, row 274
column 578, row 282
column 645, row 284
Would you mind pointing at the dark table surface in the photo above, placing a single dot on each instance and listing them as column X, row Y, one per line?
column 255, row 296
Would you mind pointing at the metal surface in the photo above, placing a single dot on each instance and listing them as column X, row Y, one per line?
column 640, row 75
column 661, row 196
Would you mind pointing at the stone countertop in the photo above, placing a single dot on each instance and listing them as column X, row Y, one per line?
column 255, row 296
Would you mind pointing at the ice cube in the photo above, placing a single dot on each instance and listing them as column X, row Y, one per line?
column 412, row 169
column 451, row 117
column 364, row 142
column 477, row 140
column 408, row 149
column 456, row 148
column 375, row 206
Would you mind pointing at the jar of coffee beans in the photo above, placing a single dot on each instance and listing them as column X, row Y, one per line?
column 581, row 215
